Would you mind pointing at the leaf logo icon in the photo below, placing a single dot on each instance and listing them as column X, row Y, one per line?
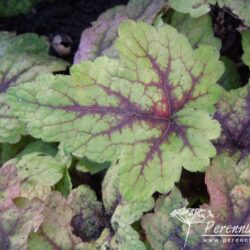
column 191, row 216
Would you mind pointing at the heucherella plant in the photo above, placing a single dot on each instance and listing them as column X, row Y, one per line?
column 151, row 109
column 106, row 156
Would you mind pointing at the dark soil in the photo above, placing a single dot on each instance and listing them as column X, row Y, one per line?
column 65, row 17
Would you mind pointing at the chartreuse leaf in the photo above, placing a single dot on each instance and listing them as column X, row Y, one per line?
column 16, row 222
column 246, row 47
column 22, row 58
column 14, row 7
column 38, row 173
column 228, row 185
column 150, row 108
column 99, row 39
column 233, row 113
column 197, row 8
column 199, row 31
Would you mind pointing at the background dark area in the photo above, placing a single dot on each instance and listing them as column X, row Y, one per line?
column 65, row 17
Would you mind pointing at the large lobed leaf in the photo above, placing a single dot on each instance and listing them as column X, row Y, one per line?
column 16, row 222
column 150, row 108
column 228, row 182
column 99, row 39
column 233, row 113
column 22, row 58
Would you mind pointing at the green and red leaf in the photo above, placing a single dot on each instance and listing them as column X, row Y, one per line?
column 22, row 59
column 148, row 109
column 233, row 113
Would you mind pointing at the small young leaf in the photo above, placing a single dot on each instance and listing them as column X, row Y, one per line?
column 38, row 173
column 233, row 113
column 16, row 223
column 246, row 47
column 22, row 58
column 99, row 39
column 64, row 186
column 150, row 108
column 231, row 78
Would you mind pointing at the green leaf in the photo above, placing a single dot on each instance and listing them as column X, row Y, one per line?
column 231, row 78
column 86, row 166
column 9, row 151
column 151, row 107
column 14, row 7
column 199, row 31
column 38, row 146
column 233, row 113
column 99, row 39
column 22, row 58
column 63, row 157
column 16, row 222
column 197, row 8
column 38, row 173
column 246, row 47
column 64, row 186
